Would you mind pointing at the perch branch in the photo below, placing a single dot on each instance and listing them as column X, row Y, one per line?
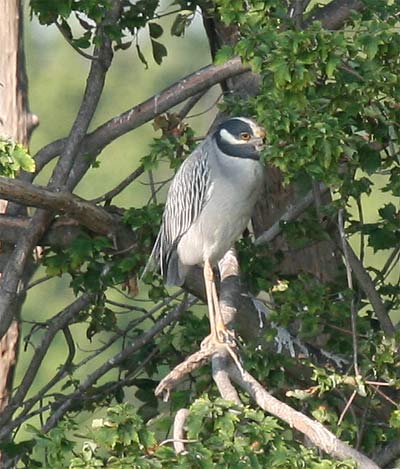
column 320, row 436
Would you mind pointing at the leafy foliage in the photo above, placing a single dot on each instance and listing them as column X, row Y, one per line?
column 329, row 102
column 14, row 157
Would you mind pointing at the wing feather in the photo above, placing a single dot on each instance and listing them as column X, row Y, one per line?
column 187, row 195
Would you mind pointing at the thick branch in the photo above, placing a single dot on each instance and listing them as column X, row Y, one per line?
column 88, row 214
column 335, row 13
column 175, row 94
column 179, row 432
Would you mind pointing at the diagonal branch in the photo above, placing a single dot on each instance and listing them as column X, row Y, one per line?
column 315, row 431
column 188, row 86
column 292, row 213
column 369, row 289
column 59, row 322
column 319, row 435
column 62, row 407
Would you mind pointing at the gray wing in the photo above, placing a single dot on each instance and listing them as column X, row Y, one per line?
column 187, row 195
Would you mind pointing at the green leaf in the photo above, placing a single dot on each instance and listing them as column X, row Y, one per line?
column 370, row 159
column 155, row 30
column 224, row 54
column 23, row 159
column 388, row 212
column 159, row 51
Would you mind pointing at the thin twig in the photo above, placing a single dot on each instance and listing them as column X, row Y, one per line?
column 76, row 49
column 108, row 196
column 347, row 406
column 291, row 214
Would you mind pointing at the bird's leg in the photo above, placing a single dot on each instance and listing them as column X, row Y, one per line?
column 209, row 280
column 219, row 333
column 218, row 329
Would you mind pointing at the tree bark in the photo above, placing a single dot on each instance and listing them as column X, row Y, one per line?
column 16, row 123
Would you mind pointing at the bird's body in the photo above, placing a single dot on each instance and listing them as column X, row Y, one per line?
column 230, row 201
column 209, row 204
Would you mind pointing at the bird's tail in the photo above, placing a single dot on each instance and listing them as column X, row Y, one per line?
column 154, row 260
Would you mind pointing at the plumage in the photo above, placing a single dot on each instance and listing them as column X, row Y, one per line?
column 210, row 200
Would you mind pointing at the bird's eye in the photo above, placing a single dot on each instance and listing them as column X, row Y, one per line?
column 245, row 136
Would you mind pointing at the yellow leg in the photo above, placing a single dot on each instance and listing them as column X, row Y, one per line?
column 219, row 333
column 218, row 328
column 209, row 281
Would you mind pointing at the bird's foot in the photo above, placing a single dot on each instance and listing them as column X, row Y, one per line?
column 223, row 339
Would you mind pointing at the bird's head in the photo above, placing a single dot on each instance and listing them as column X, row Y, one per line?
column 240, row 137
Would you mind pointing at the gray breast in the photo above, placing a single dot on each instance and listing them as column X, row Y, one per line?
column 235, row 187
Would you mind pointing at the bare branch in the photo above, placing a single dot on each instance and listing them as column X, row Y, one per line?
column 222, row 380
column 120, row 187
column 368, row 287
column 88, row 214
column 188, row 86
column 292, row 213
column 190, row 364
column 350, row 285
column 59, row 322
column 315, row 431
column 179, row 432
column 62, row 407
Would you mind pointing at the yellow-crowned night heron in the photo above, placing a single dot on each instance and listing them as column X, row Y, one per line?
column 208, row 206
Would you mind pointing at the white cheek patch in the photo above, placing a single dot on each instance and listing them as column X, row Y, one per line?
column 229, row 138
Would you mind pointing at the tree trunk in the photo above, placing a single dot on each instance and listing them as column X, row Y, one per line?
column 16, row 123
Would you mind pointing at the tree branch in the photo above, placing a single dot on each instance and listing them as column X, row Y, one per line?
column 188, row 86
column 315, row 431
column 335, row 13
column 292, row 213
column 15, row 267
column 59, row 322
column 179, row 433
column 320, row 436
column 368, row 287
column 62, row 407
column 86, row 213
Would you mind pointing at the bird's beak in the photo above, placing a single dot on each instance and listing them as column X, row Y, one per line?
column 260, row 135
